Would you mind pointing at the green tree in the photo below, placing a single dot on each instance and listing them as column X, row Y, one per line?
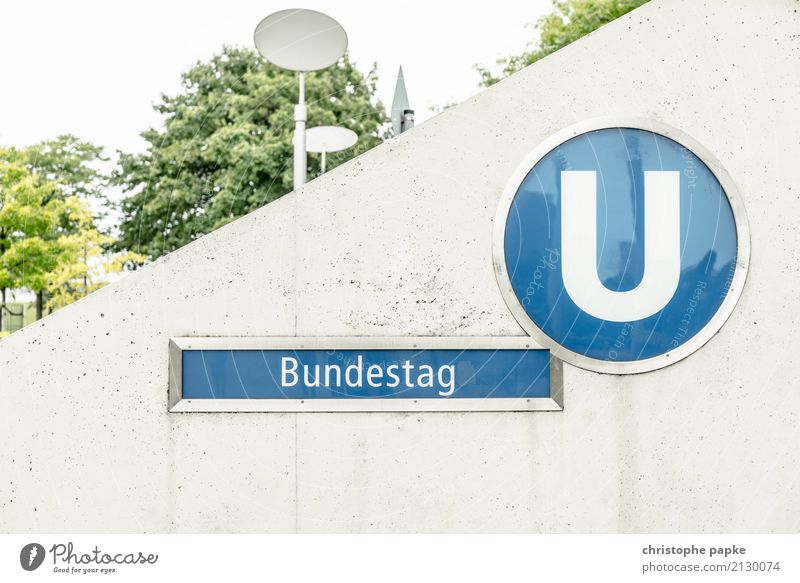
column 49, row 240
column 71, row 164
column 82, row 262
column 71, row 168
column 569, row 21
column 226, row 145
column 29, row 214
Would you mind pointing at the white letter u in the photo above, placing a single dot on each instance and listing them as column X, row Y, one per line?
column 662, row 248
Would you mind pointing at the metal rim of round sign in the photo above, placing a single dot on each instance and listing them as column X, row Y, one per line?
column 301, row 40
column 742, row 246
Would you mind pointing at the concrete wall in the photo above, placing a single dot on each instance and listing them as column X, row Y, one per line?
column 398, row 242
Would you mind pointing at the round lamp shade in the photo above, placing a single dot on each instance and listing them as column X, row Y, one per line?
column 330, row 139
column 300, row 40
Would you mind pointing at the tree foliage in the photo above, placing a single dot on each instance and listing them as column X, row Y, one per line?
column 226, row 145
column 30, row 213
column 71, row 165
column 49, row 240
column 83, row 263
column 569, row 21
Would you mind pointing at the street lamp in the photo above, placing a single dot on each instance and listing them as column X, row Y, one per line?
column 300, row 40
column 324, row 139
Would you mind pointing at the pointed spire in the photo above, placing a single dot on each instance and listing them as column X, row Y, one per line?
column 402, row 114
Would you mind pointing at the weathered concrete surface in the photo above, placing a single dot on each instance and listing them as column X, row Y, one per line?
column 398, row 242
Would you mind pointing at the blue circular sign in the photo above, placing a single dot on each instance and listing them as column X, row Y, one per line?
column 620, row 248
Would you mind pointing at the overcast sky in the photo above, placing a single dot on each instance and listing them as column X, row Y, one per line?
column 95, row 68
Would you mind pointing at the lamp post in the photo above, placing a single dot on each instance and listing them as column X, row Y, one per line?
column 300, row 40
column 300, row 119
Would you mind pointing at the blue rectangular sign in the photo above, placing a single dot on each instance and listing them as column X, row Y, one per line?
column 407, row 373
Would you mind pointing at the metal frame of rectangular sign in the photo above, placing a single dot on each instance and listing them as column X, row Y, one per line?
column 177, row 404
